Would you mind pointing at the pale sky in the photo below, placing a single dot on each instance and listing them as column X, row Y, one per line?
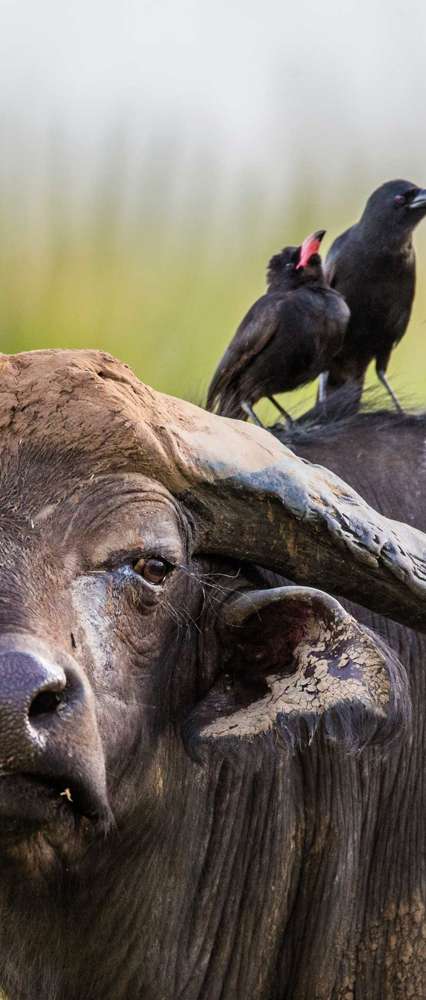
column 266, row 85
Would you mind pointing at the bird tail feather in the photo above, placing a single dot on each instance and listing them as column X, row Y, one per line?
column 225, row 404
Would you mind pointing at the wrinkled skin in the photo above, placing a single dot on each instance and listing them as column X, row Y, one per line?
column 229, row 745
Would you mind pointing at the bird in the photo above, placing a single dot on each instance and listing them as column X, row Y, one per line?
column 373, row 266
column 287, row 337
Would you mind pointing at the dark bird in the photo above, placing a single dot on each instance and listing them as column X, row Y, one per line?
column 287, row 337
column 373, row 265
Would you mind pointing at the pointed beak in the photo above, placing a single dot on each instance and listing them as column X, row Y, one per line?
column 310, row 246
column 419, row 200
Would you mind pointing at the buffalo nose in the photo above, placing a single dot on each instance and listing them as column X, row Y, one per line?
column 49, row 736
column 32, row 694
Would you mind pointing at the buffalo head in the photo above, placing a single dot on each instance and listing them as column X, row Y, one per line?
column 136, row 631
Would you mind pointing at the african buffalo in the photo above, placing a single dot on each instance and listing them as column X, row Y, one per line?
column 209, row 786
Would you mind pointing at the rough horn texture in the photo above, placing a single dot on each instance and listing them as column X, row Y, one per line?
column 292, row 516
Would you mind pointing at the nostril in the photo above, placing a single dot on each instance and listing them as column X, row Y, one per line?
column 45, row 703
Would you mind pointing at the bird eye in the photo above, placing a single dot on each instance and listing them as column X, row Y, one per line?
column 289, row 266
column 399, row 199
column 152, row 570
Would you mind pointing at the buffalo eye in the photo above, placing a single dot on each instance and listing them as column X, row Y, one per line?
column 152, row 570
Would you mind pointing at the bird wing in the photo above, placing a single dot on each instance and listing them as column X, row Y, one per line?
column 334, row 256
column 313, row 322
column 254, row 332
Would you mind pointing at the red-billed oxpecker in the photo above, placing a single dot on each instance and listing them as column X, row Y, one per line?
column 373, row 265
column 287, row 337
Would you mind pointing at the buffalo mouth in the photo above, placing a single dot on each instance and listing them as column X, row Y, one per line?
column 32, row 802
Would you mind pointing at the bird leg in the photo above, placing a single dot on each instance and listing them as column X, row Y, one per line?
column 250, row 413
column 381, row 375
column 281, row 409
column 322, row 387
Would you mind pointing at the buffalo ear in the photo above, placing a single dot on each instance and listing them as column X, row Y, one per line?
column 296, row 662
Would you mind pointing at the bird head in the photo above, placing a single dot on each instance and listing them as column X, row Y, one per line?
column 295, row 266
column 392, row 212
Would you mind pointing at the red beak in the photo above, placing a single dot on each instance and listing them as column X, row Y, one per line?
column 310, row 246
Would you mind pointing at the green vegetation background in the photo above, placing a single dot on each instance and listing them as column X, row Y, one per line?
column 161, row 281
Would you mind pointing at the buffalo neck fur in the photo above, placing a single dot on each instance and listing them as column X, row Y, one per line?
column 382, row 455
column 170, row 908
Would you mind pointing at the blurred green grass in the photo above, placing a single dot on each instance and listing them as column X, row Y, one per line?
column 163, row 285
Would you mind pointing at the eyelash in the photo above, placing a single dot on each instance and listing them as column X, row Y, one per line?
column 152, row 569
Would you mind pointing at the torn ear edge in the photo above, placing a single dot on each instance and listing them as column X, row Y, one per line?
column 356, row 726
column 296, row 664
